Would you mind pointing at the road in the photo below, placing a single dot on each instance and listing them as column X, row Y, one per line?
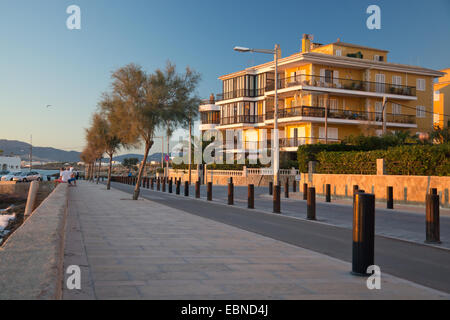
column 422, row 264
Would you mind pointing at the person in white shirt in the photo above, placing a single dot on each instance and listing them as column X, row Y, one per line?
column 66, row 176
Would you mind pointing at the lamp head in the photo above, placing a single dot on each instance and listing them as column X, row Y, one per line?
column 241, row 49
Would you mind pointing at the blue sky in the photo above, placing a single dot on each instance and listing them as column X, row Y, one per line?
column 42, row 62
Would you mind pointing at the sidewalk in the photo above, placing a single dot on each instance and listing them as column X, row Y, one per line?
column 145, row 250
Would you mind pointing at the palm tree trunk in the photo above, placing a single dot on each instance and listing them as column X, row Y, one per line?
column 108, row 184
column 99, row 169
column 137, row 188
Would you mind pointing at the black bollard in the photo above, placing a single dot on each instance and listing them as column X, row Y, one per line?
column 433, row 191
column 164, row 185
column 197, row 189
column 230, row 192
column 158, row 184
column 270, row 188
column 286, row 189
column 186, row 189
column 251, row 196
column 390, row 197
column 355, row 189
column 363, row 233
column 209, row 191
column 276, row 199
column 311, row 204
column 432, row 219
column 177, row 186
column 294, row 186
column 170, row 185
column 305, row 191
column 328, row 193
column 152, row 183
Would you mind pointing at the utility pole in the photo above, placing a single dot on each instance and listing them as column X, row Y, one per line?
column 31, row 152
column 190, row 146
column 384, row 115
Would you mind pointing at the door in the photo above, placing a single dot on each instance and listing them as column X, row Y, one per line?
column 380, row 80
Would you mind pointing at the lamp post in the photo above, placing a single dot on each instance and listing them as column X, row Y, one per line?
column 276, row 147
column 162, row 152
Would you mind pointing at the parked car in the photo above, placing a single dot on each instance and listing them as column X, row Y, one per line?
column 9, row 176
column 28, row 176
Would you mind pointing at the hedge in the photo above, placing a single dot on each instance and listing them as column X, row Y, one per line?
column 423, row 160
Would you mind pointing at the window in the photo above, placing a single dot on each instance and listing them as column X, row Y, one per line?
column 396, row 109
column 436, row 95
column 333, row 105
column 397, row 80
column 339, row 53
column 380, row 79
column 420, row 111
column 332, row 133
column 378, row 111
column 377, row 57
column 420, row 84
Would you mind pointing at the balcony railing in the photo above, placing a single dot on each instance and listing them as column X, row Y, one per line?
column 210, row 121
column 340, row 83
column 319, row 112
column 295, row 142
column 241, row 119
column 250, row 93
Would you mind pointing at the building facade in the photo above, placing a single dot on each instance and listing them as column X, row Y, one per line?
column 442, row 100
column 9, row 163
column 325, row 93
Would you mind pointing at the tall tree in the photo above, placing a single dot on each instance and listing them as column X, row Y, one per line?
column 140, row 101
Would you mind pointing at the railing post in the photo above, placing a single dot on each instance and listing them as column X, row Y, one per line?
column 286, row 188
column 186, row 188
column 197, row 189
column 432, row 218
column 363, row 233
column 231, row 192
column 251, row 196
column 170, row 185
column 209, row 192
column 328, row 193
column 276, row 199
column 305, row 191
column 270, row 187
column 390, row 197
column 311, row 204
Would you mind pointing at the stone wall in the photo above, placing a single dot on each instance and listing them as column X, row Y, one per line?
column 21, row 189
column 31, row 258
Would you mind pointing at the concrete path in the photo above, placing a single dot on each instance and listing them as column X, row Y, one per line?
column 147, row 250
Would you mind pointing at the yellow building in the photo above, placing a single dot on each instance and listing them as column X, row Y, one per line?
column 325, row 93
column 442, row 100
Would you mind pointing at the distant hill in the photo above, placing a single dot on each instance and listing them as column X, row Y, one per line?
column 46, row 154
column 152, row 157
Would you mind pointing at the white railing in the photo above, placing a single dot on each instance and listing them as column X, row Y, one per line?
column 228, row 173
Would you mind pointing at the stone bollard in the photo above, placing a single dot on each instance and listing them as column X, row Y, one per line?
column 363, row 233
column 197, row 189
column 276, row 199
column 186, row 188
column 389, row 197
column 32, row 193
column 251, row 196
column 270, row 188
column 286, row 189
column 328, row 193
column 230, row 193
column 209, row 192
column 432, row 219
column 305, row 191
column 311, row 204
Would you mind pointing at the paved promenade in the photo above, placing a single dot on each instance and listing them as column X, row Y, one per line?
column 146, row 250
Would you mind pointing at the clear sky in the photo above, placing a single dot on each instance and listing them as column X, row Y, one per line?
column 42, row 62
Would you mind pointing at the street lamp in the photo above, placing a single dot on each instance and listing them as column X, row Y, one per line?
column 276, row 147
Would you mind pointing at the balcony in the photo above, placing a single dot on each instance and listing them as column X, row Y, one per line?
column 339, row 83
column 319, row 112
column 249, row 93
column 241, row 119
